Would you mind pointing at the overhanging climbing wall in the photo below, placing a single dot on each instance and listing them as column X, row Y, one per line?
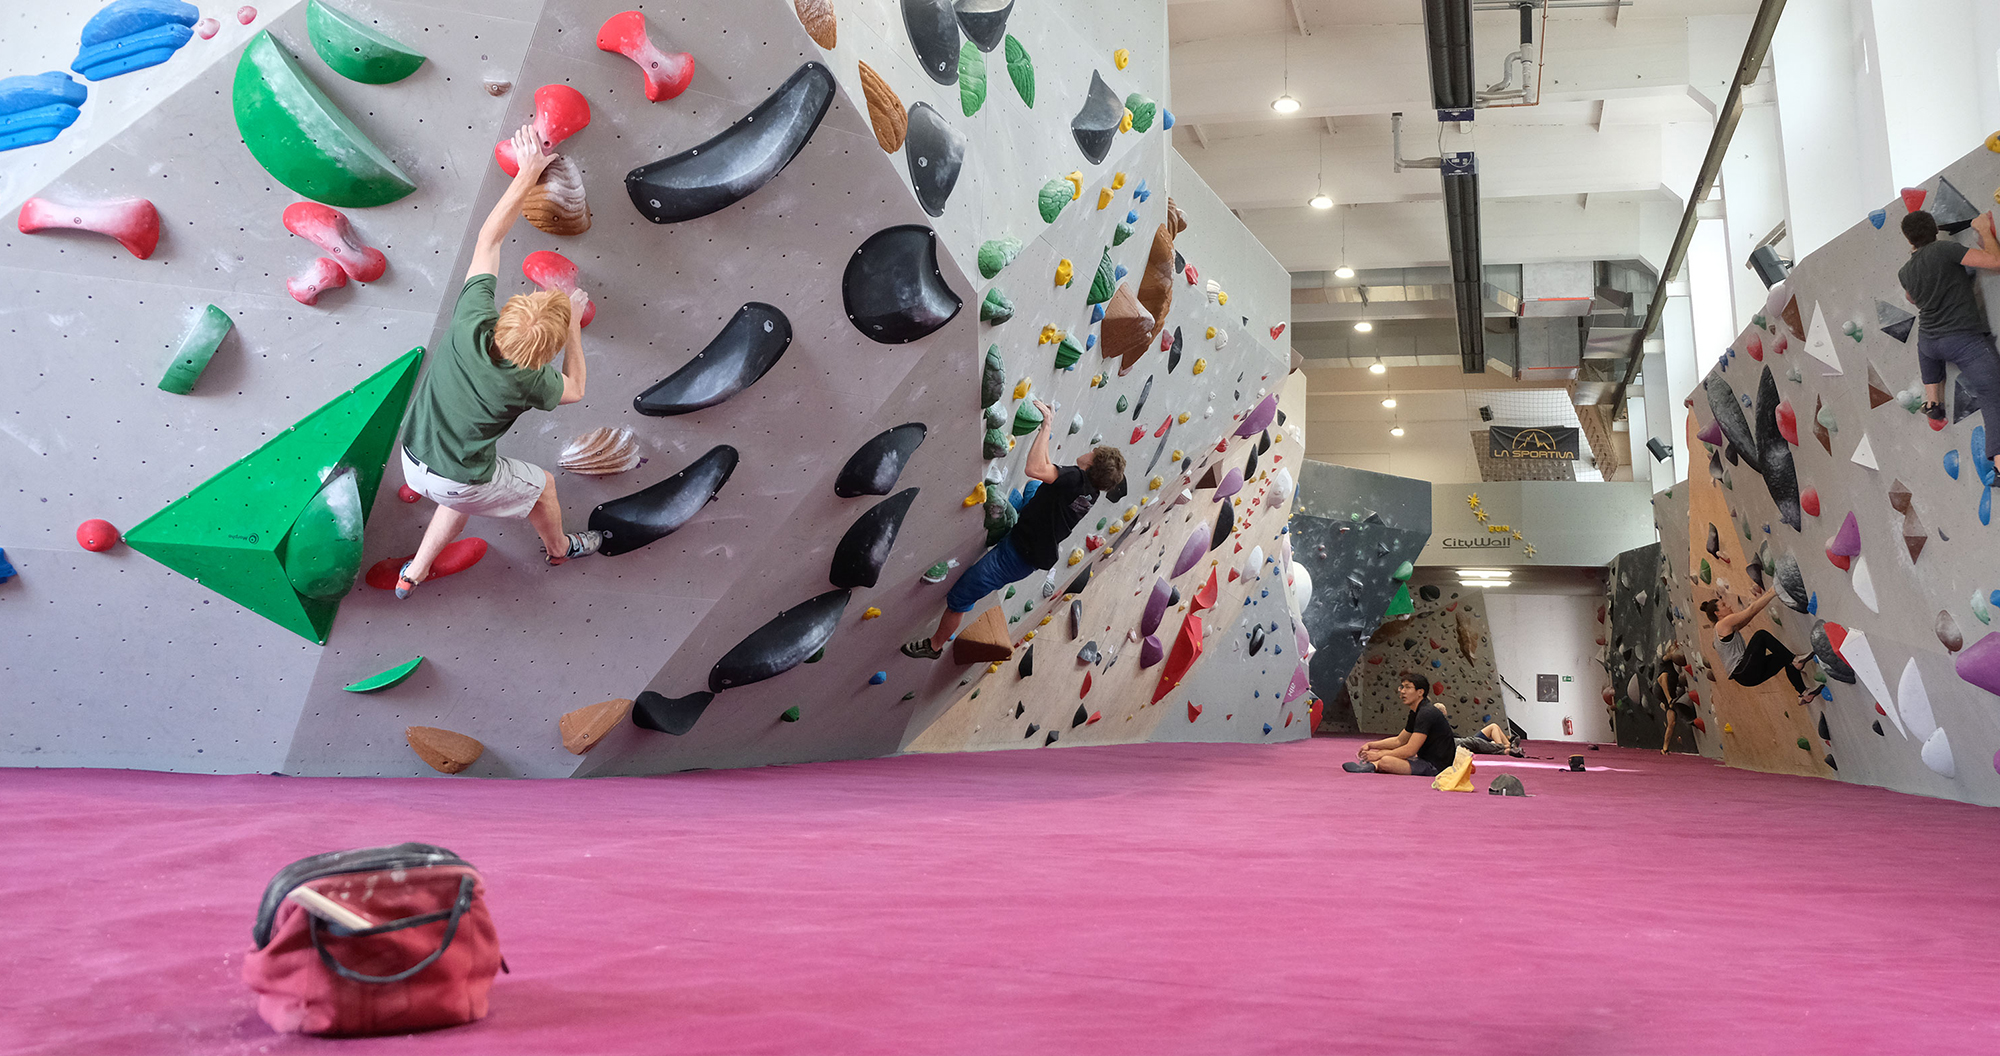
column 1822, row 479
column 822, row 193
column 1641, row 625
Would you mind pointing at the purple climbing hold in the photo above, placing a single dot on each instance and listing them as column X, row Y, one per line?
column 1979, row 663
column 1230, row 484
column 1150, row 651
column 1710, row 433
column 1156, row 607
column 1259, row 417
column 1301, row 682
column 1191, row 551
column 1847, row 541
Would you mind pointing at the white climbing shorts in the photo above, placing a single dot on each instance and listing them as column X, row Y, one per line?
column 512, row 492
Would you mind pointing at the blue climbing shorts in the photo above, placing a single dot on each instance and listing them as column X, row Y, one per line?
column 1001, row 565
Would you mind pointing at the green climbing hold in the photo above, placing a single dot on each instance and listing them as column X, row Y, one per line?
column 790, row 714
column 197, row 347
column 323, row 549
column 1707, row 574
column 1143, row 110
column 995, row 417
column 1803, row 746
column 302, row 138
column 356, row 51
column 997, row 253
column 996, row 443
column 1101, row 522
column 993, row 380
column 1123, row 232
column 1122, row 404
column 1009, row 596
column 1759, row 321
column 937, row 572
column 392, row 677
column 818, row 655
column 971, row 78
column 1000, row 518
column 911, row 695
column 1068, row 352
column 1056, row 194
column 1102, row 284
column 1825, row 418
column 1027, row 418
column 996, row 308
column 1402, row 573
column 1022, row 70
column 1400, row 604
column 232, row 533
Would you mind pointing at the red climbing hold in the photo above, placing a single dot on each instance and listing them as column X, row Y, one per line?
column 1193, row 276
column 1186, row 650
column 1840, row 561
column 1095, row 717
column 1375, row 659
column 1755, row 347
column 1162, row 430
column 1318, row 710
column 667, row 75
column 1437, row 689
column 1194, row 711
column 1093, row 541
column 246, row 15
column 1835, row 635
column 1879, row 711
column 452, row 560
column 323, row 274
column 205, row 29
column 1699, row 725
column 560, row 112
column 1085, row 691
column 1204, row 598
column 1913, row 198
column 96, row 536
column 1277, row 331
column 1788, row 422
column 132, row 221
column 404, row 493
column 1693, row 697
column 1232, row 575
column 1936, row 424
column 552, row 271
column 326, row 228
column 1809, row 500
column 1166, row 340
column 1138, row 433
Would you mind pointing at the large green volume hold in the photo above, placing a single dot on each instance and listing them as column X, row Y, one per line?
column 302, row 139
column 356, row 51
column 197, row 348
column 272, row 519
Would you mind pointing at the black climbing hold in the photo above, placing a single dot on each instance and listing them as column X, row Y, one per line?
column 1963, row 401
column 1950, row 209
column 1117, row 492
column 1714, row 541
column 1735, row 427
column 1225, row 522
column 1829, row 661
column 1075, row 619
column 1429, row 592
column 1250, row 467
column 1087, row 654
column 935, row 151
column 858, row 560
column 1139, row 405
column 734, row 163
column 1824, row 734
column 1256, row 640
column 1174, row 350
column 1831, row 763
column 933, row 27
column 1877, row 727
column 1174, row 597
column 1158, row 449
column 1775, row 456
column 675, row 715
column 893, row 290
column 874, row 467
column 1081, row 581
column 1033, row 728
column 1027, row 664
column 1051, row 739
column 1082, row 716
column 781, row 644
column 984, row 21
column 748, row 346
column 1263, row 441
column 657, row 511
column 910, row 696
column 1096, row 125
column 1019, row 709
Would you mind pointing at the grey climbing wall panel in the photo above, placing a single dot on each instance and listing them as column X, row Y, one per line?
column 1640, row 621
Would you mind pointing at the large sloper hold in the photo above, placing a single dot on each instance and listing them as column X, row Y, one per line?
column 198, row 346
column 658, row 511
column 893, row 290
column 933, row 27
column 1258, row 419
column 992, row 378
column 302, row 138
column 984, row 21
column 984, row 640
column 557, row 204
column 781, row 644
column 446, row 751
column 936, row 152
column 231, row 532
column 1791, row 583
column 1096, row 124
column 874, row 467
column 1878, row 390
column 1128, row 328
column 1979, row 663
column 1156, row 607
column 748, row 346
column 322, row 551
column 1191, row 551
column 1963, row 401
column 1826, row 648
column 1780, row 478
column 584, row 727
column 1950, row 209
column 1156, row 282
column 1729, row 418
column 731, row 165
column 672, row 715
column 35, row 109
column 1894, row 321
column 356, row 50
column 134, row 222
column 861, row 553
column 127, row 35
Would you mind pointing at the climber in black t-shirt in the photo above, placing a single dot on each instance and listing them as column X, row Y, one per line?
column 1951, row 328
column 1065, row 495
column 1425, row 748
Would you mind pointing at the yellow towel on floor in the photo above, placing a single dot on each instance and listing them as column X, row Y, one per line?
column 1459, row 777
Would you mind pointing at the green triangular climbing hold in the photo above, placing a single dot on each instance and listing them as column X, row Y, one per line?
column 355, row 50
column 249, row 532
column 1068, row 352
column 1400, row 604
column 1103, row 283
column 1121, row 233
column 790, row 714
column 392, row 677
column 1022, row 70
column 971, row 78
column 302, row 138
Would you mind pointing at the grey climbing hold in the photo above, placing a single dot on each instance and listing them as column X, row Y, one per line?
column 861, row 553
column 892, row 289
column 734, row 163
column 748, row 346
column 781, row 644
column 873, row 469
column 984, row 21
column 936, row 152
column 1096, row 124
column 658, row 511
column 1088, row 654
column 933, row 28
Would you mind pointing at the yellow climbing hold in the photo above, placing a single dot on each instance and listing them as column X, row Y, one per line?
column 1222, row 298
column 1130, row 512
column 1065, row 271
column 1154, row 484
column 1028, row 637
column 1200, row 365
column 1145, row 499
column 1117, row 180
column 1727, row 728
column 1075, row 179
column 1010, row 443
column 1125, row 122
column 1103, row 197
column 1183, row 419
column 1045, row 621
column 1021, row 389
column 992, row 667
column 1178, row 455
column 1211, row 333
column 1050, row 335
column 977, row 496
column 1076, row 556
column 1096, row 380
column 1993, row 143
column 1114, row 530
column 870, row 613
column 1120, row 57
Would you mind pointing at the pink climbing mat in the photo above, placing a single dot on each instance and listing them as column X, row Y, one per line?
column 327, row 228
column 560, row 112
column 552, row 271
column 323, row 274
column 132, row 221
column 667, row 74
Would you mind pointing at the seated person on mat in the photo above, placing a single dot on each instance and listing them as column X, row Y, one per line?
column 1425, row 748
column 1492, row 740
column 1753, row 663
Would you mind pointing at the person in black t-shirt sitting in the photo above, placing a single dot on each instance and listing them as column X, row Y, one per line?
column 1065, row 495
column 1425, row 748
column 1950, row 326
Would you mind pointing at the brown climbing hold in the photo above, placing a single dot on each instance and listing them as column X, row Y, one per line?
column 1878, row 390
column 584, row 727
column 445, row 751
column 1915, row 535
column 1156, row 281
column 1899, row 497
column 821, row 25
column 556, row 204
column 1820, row 432
column 1791, row 316
column 1210, row 479
column 1128, row 328
column 985, row 641
column 885, row 110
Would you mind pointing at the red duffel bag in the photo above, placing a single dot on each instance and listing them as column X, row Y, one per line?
column 398, row 940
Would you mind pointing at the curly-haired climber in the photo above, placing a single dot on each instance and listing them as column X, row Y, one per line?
column 1951, row 328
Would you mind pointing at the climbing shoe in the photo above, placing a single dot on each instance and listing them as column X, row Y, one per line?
column 404, row 584
column 581, row 544
column 921, row 649
column 1357, row 767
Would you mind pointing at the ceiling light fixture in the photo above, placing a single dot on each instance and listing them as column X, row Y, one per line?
column 1320, row 199
column 1389, row 403
column 1484, row 583
column 1285, row 104
column 1377, row 367
column 1364, row 326
column 1397, row 431
column 1343, row 271
column 1485, row 573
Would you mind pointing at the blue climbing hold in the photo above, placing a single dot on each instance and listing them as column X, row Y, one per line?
column 1878, row 217
column 1994, row 597
column 1118, row 272
column 1132, row 217
column 1267, row 729
column 1096, row 313
column 1167, row 121
column 1089, row 342
column 36, row 109
column 1980, row 463
column 1986, row 506
column 1264, row 594
column 878, row 678
column 6, row 570
column 1812, row 604
column 127, row 35
column 1141, row 192
column 1767, row 529
column 1951, row 463
column 1437, row 663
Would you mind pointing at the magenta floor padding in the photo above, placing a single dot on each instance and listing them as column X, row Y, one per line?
column 1138, row 899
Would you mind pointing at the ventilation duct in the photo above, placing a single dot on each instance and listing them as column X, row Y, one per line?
column 1448, row 37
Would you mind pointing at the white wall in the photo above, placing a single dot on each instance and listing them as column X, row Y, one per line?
column 1550, row 634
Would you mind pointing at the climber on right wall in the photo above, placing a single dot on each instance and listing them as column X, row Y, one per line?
column 1950, row 326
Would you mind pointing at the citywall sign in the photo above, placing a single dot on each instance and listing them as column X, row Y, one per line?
column 1477, row 542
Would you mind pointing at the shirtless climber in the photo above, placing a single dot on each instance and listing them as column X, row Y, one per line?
column 1951, row 328
column 1065, row 495
column 494, row 367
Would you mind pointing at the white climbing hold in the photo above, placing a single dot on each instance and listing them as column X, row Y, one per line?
column 1913, row 704
column 1819, row 342
column 1302, row 587
column 1861, row 657
column 1937, row 755
column 1864, row 584
column 1281, row 487
column 1864, row 453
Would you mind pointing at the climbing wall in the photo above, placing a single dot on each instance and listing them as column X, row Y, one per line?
column 811, row 164
column 1670, row 514
column 1639, row 615
column 1824, row 480
column 1443, row 638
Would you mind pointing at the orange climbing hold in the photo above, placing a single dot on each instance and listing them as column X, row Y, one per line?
column 667, row 74
column 445, row 751
column 132, row 221
column 986, row 640
column 453, row 559
column 584, row 727
column 552, row 271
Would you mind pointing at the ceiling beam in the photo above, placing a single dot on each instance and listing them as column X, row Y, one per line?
column 1299, row 16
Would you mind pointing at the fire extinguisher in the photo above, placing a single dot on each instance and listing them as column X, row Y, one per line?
column 1569, row 728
